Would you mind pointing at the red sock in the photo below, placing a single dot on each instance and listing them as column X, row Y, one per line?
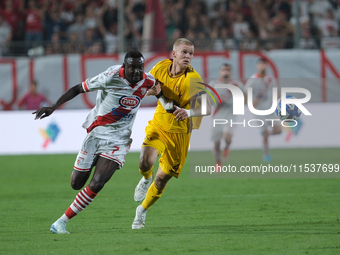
column 83, row 199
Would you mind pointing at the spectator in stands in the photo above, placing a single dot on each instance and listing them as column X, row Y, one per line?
column 178, row 15
column 135, row 12
column 203, row 42
column 172, row 17
column 193, row 24
column 240, row 27
column 244, row 8
column 328, row 29
column 138, row 10
column 249, row 42
column 222, row 41
column 90, row 20
column 110, row 16
column 5, row 36
column 205, row 25
column 90, row 37
column 48, row 49
column 54, row 23
column 279, row 30
column 33, row 100
column 66, row 14
column 327, row 25
column 213, row 22
column 232, row 9
column 192, row 9
column 176, row 34
column 13, row 18
column 318, row 8
column 306, row 41
column 190, row 35
column 337, row 11
column 282, row 6
column 34, row 16
column 78, row 27
column 261, row 20
column 74, row 45
column 95, row 48
column 303, row 14
column 56, row 43
column 109, row 36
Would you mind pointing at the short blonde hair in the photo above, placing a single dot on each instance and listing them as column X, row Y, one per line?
column 182, row 41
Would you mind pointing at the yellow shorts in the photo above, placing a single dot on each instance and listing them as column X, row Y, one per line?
column 172, row 146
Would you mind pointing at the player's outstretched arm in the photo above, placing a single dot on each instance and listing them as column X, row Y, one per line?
column 68, row 95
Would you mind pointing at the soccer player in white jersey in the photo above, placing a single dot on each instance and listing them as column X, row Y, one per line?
column 224, row 111
column 120, row 91
column 262, row 85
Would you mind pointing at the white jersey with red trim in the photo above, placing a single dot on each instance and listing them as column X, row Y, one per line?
column 117, row 102
column 262, row 89
column 225, row 94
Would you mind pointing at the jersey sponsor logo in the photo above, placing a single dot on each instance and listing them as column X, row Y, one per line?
column 125, row 116
column 129, row 102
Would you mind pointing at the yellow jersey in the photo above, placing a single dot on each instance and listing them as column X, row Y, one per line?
column 179, row 88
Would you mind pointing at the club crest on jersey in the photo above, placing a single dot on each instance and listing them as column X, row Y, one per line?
column 143, row 90
column 129, row 102
column 80, row 161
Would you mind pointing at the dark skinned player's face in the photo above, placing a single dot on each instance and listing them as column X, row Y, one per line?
column 134, row 68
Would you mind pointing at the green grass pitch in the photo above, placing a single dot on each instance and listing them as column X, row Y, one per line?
column 194, row 215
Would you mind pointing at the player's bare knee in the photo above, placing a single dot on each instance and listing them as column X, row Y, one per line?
column 228, row 138
column 76, row 185
column 146, row 163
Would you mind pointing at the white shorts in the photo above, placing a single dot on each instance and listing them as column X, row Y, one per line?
column 93, row 147
column 220, row 129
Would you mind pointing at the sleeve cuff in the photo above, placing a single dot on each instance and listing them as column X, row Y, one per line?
column 85, row 87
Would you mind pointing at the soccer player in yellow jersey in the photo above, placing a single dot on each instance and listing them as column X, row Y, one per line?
column 168, row 133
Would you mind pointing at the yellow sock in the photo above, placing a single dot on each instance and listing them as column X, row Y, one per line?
column 152, row 196
column 147, row 174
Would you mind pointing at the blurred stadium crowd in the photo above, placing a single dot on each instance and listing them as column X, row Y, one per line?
column 91, row 26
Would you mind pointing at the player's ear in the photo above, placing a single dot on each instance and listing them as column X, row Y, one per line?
column 173, row 53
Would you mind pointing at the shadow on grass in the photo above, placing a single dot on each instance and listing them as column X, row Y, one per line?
column 303, row 228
